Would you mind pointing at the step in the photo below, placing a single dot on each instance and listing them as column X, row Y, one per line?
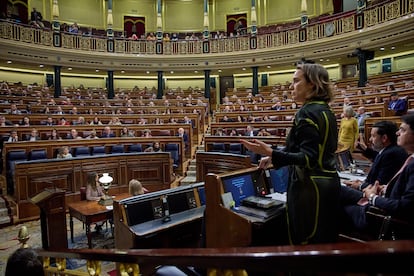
column 192, row 167
column 188, row 180
column 191, row 173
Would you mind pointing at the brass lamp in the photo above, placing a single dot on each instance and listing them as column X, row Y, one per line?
column 105, row 181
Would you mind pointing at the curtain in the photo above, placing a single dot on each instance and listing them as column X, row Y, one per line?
column 232, row 20
column 134, row 25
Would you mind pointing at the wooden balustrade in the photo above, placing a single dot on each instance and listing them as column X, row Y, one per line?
column 383, row 257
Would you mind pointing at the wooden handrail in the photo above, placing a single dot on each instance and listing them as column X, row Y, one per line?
column 369, row 257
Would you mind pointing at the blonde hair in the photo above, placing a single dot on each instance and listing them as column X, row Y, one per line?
column 135, row 187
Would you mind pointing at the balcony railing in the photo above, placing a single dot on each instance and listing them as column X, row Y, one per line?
column 279, row 37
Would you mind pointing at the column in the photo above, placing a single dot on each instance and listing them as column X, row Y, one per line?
column 255, row 80
column 160, row 91
column 57, row 41
column 109, row 30
column 159, row 21
column 253, row 18
column 207, row 84
column 58, row 85
column 110, row 84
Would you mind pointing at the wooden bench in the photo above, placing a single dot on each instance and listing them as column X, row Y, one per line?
column 51, row 147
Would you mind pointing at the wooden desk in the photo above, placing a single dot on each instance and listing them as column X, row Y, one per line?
column 89, row 212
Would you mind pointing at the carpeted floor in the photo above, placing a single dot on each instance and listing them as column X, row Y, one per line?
column 9, row 243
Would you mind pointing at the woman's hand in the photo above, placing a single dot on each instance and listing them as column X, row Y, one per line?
column 265, row 162
column 258, row 147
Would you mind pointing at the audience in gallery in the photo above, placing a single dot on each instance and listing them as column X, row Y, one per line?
column 348, row 130
column 395, row 198
column 125, row 132
column 4, row 122
column 64, row 152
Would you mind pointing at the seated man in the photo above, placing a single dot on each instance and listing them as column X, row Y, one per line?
column 397, row 197
column 398, row 105
column 389, row 158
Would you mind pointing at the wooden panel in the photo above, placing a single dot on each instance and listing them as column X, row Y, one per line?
column 70, row 174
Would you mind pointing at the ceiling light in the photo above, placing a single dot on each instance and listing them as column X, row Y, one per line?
column 244, row 69
column 41, row 66
column 382, row 48
column 196, row 71
column 268, row 67
column 97, row 70
column 392, row 48
column 148, row 72
column 321, row 59
column 219, row 70
column 122, row 72
column 70, row 68
column 172, row 72
column 9, row 61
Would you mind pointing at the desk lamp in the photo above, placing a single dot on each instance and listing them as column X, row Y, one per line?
column 106, row 181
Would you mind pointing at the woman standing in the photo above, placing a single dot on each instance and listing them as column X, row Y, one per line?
column 348, row 130
column 314, row 186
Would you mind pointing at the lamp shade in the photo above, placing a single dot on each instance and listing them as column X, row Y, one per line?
column 105, row 178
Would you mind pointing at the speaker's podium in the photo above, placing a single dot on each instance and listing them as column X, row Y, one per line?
column 52, row 218
column 242, row 225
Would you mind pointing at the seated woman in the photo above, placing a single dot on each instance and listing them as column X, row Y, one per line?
column 154, row 148
column 64, row 152
column 136, row 188
column 94, row 192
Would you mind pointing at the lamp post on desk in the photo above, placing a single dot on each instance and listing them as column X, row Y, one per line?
column 106, row 181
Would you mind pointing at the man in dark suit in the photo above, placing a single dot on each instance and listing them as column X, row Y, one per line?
column 389, row 156
column 397, row 197
column 398, row 105
column 181, row 133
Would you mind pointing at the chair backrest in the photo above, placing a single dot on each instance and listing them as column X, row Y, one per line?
column 218, row 147
column 81, row 151
column 117, row 149
column 173, row 150
column 37, row 154
column 82, row 193
column 135, row 148
column 98, row 150
column 235, row 148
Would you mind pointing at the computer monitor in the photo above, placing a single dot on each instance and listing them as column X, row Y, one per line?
column 143, row 211
column 343, row 160
column 181, row 201
column 240, row 186
column 279, row 178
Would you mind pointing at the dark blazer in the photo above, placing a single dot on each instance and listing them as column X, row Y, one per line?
column 398, row 200
column 111, row 135
column 399, row 106
column 386, row 165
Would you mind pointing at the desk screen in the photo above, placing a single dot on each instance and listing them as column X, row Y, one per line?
column 182, row 201
column 142, row 211
column 240, row 187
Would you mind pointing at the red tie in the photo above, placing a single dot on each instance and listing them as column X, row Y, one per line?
column 363, row 201
column 399, row 172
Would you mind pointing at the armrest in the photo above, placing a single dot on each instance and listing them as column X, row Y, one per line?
column 389, row 227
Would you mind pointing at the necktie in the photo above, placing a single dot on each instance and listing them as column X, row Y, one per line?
column 407, row 161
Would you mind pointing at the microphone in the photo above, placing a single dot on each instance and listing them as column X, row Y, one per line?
column 165, row 209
